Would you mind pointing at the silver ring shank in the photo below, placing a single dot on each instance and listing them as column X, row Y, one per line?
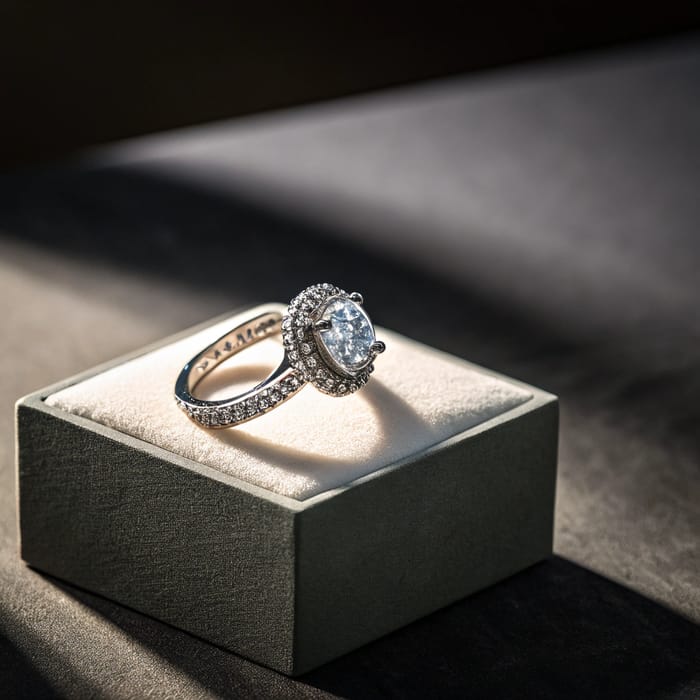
column 283, row 383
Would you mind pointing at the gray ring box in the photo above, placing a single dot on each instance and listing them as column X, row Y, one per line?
column 287, row 583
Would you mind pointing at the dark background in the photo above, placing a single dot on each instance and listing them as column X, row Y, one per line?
column 75, row 74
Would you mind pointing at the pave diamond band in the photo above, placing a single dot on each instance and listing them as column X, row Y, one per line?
column 329, row 342
column 283, row 383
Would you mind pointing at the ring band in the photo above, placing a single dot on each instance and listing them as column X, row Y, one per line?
column 329, row 341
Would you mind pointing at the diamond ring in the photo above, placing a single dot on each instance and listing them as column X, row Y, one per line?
column 329, row 341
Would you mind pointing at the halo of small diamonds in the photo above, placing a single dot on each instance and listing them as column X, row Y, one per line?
column 303, row 349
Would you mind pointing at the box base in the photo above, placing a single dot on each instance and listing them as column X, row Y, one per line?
column 292, row 582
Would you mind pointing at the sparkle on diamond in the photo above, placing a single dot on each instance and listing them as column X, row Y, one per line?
column 350, row 336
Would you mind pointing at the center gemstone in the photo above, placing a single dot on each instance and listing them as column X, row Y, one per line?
column 349, row 339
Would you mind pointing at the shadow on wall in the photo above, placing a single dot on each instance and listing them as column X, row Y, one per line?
column 72, row 78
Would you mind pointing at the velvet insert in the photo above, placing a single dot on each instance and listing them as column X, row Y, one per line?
column 417, row 397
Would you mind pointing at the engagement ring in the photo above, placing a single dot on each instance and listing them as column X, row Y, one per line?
column 329, row 341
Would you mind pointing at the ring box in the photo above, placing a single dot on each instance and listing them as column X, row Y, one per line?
column 305, row 533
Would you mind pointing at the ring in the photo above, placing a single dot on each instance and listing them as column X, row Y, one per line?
column 329, row 341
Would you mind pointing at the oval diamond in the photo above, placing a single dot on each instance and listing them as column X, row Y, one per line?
column 349, row 339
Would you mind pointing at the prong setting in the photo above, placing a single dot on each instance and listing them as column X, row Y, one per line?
column 330, row 339
column 378, row 347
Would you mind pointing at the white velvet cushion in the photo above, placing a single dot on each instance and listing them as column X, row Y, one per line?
column 417, row 397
